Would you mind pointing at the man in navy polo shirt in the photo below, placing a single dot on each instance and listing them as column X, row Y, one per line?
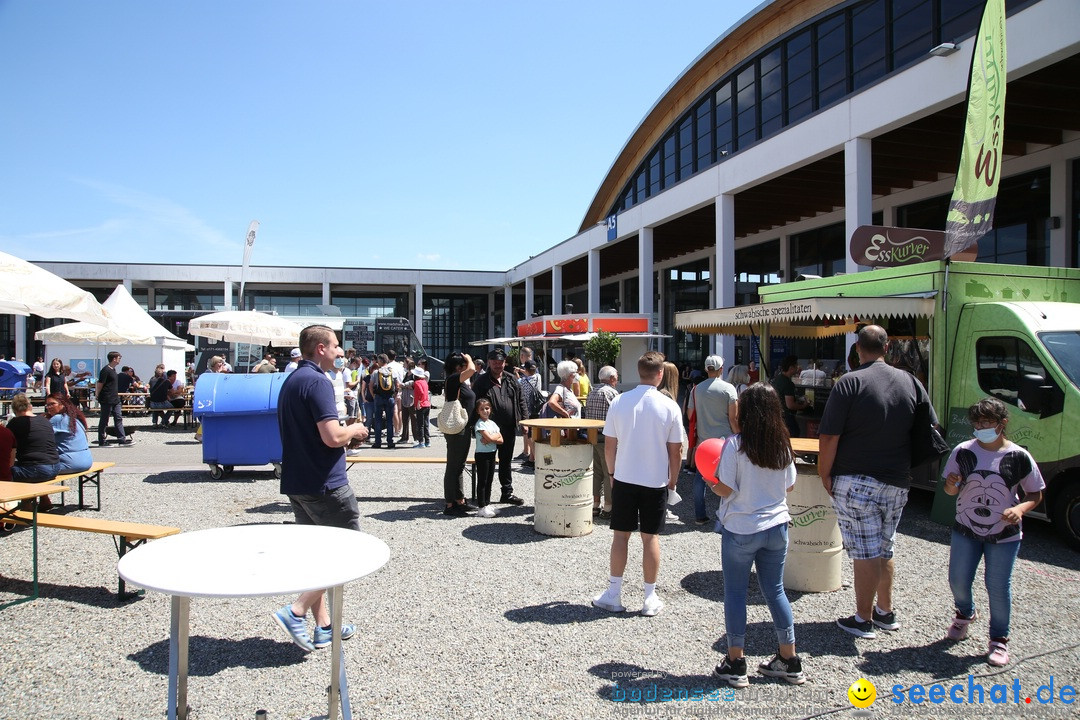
column 313, row 469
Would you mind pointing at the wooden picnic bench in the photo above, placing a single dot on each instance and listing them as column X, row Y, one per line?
column 87, row 477
column 470, row 463
column 129, row 535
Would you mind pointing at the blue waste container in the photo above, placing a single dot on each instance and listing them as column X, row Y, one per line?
column 239, row 420
column 13, row 377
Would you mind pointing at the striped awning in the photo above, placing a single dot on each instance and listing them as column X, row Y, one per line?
column 804, row 318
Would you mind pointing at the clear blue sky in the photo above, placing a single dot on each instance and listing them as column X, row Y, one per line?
column 360, row 134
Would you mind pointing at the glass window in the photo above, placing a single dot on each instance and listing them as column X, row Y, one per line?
column 959, row 18
column 451, row 321
column 912, row 30
column 353, row 304
column 756, row 266
column 687, row 288
column 1064, row 347
column 1076, row 212
column 831, row 59
column 867, row 43
column 654, row 173
column 822, row 251
column 800, row 87
column 641, row 184
column 723, row 120
column 628, row 196
column 1002, row 362
column 771, row 84
column 670, row 167
column 747, row 107
column 1021, row 233
column 704, row 124
column 686, row 147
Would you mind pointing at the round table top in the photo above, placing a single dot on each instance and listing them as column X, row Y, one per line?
column 252, row 560
column 562, row 423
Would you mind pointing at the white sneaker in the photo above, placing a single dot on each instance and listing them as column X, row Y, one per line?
column 653, row 605
column 353, row 453
column 488, row 511
column 608, row 602
column 672, row 517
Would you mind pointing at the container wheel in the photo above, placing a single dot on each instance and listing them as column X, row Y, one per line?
column 216, row 472
column 228, row 469
column 277, row 470
column 1066, row 513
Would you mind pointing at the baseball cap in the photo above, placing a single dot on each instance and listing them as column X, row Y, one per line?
column 529, row 365
column 714, row 362
column 294, row 353
column 496, row 355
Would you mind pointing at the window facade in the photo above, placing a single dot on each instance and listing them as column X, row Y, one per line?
column 371, row 304
column 447, row 318
column 812, row 67
column 688, row 287
column 820, row 252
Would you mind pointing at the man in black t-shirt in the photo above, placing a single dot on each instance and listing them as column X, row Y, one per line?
column 109, row 400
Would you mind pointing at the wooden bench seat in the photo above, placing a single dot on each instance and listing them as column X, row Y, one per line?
column 470, row 463
column 130, row 534
column 87, row 477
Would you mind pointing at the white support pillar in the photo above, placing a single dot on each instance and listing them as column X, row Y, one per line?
column 1059, row 208
column 508, row 311
column 229, row 296
column 326, row 292
column 530, row 297
column 556, row 290
column 661, row 297
column 787, row 273
column 127, row 284
column 645, row 271
column 151, row 298
column 712, row 300
column 418, row 310
column 20, row 340
column 858, row 188
column 594, row 280
column 724, row 277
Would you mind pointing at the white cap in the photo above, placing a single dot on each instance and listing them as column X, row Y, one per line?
column 294, row 353
column 714, row 362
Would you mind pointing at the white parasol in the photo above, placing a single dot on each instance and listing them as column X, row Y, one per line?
column 26, row 289
column 246, row 326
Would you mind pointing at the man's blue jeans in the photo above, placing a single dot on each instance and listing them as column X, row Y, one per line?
column 767, row 550
column 384, row 418
column 699, row 490
column 964, row 556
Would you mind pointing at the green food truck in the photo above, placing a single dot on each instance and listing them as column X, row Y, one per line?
column 967, row 330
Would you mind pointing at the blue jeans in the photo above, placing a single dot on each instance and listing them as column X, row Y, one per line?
column 384, row 418
column 30, row 473
column 964, row 558
column 767, row 550
column 700, row 488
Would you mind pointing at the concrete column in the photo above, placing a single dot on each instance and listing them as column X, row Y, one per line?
column 127, row 284
column 418, row 310
column 661, row 302
column 858, row 186
column 594, row 280
column 490, row 320
column 326, row 292
column 1059, row 208
column 645, row 271
column 20, row 340
column 229, row 296
column 712, row 300
column 787, row 274
column 724, row 277
column 508, row 311
column 530, row 297
column 556, row 290
column 151, row 298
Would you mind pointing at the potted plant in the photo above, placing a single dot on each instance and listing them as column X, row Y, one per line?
column 603, row 349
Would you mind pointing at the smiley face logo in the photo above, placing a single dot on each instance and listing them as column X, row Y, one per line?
column 862, row 693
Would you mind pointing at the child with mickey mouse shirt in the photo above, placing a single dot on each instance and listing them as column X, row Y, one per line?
column 986, row 473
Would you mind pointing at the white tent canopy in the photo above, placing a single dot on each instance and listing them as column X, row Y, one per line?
column 26, row 289
column 804, row 318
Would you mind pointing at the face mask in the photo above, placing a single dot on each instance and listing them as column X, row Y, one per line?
column 986, row 435
column 339, row 363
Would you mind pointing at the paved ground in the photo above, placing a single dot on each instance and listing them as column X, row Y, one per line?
column 478, row 618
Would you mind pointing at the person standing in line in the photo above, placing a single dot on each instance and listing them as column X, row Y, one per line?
column 529, row 380
column 408, row 403
column 398, row 371
column 755, row 474
column 109, row 400
column 507, row 410
column 714, row 406
column 384, row 388
column 643, row 451
column 313, row 471
column 422, row 409
column 985, row 473
column 600, row 399
column 864, row 461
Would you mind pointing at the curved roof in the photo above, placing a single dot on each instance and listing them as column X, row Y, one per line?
column 760, row 26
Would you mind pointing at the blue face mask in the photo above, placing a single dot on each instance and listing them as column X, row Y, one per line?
column 339, row 362
column 986, row 435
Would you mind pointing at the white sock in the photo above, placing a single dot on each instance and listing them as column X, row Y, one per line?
column 650, row 589
column 858, row 618
column 615, row 586
column 879, row 610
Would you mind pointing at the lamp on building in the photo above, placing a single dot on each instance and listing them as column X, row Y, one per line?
column 944, row 49
column 569, row 308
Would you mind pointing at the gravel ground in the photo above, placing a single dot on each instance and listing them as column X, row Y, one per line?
column 475, row 618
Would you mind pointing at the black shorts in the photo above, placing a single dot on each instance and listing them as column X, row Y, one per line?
column 633, row 504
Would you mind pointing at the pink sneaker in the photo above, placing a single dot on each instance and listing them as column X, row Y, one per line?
column 959, row 628
column 999, row 653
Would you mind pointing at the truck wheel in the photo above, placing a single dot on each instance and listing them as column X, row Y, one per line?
column 216, row 472
column 1066, row 513
column 277, row 470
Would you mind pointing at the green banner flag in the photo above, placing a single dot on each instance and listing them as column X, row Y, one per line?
column 971, row 210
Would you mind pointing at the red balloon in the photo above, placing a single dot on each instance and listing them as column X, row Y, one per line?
column 707, row 457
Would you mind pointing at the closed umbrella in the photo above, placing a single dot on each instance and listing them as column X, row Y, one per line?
column 246, row 326
column 26, row 289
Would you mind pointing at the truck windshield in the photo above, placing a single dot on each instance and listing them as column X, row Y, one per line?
column 1065, row 348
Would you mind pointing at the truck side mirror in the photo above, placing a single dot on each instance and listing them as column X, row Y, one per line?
column 1031, row 396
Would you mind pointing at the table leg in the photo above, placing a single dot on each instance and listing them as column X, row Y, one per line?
column 34, row 533
column 339, row 684
column 178, row 658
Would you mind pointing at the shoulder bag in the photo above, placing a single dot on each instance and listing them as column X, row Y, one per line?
column 453, row 418
column 926, row 441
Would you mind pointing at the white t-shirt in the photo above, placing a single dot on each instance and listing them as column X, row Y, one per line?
column 397, row 370
column 644, row 422
column 337, row 378
column 760, row 498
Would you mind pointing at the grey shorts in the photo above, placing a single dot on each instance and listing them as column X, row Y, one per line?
column 335, row 508
column 868, row 512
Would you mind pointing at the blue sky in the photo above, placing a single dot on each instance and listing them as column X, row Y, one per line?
column 463, row 135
